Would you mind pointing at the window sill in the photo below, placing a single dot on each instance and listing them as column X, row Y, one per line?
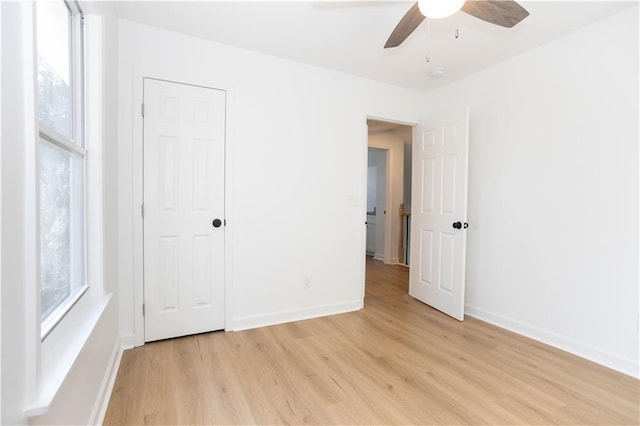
column 59, row 313
column 58, row 363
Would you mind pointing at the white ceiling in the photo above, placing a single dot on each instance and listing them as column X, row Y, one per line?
column 349, row 36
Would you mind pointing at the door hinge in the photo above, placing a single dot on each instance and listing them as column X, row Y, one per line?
column 142, row 210
column 143, row 310
column 143, row 110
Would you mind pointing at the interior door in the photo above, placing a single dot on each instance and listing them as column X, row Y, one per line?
column 183, row 212
column 439, row 213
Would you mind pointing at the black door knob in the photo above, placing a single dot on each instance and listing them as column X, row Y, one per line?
column 216, row 223
column 457, row 225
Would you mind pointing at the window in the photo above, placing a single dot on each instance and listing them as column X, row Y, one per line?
column 61, row 162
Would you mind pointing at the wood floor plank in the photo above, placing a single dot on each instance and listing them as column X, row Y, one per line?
column 397, row 361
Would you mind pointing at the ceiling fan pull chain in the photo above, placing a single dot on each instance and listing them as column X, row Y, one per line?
column 457, row 33
column 428, row 56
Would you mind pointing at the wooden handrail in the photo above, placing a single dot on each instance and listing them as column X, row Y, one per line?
column 403, row 212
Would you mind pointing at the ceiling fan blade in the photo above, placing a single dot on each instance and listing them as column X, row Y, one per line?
column 505, row 13
column 405, row 27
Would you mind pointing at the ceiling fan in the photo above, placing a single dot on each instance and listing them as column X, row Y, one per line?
column 505, row 13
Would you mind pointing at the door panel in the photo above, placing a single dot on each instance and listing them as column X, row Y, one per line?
column 184, row 138
column 426, row 253
column 428, row 185
column 440, row 164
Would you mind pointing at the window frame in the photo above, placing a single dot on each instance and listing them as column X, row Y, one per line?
column 75, row 147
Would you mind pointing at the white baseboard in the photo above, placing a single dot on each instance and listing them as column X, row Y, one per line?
column 245, row 323
column 106, row 387
column 378, row 256
column 615, row 362
column 127, row 341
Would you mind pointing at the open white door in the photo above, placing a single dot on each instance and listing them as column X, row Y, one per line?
column 439, row 213
column 184, row 144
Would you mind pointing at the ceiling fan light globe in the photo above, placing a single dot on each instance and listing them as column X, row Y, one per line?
column 439, row 8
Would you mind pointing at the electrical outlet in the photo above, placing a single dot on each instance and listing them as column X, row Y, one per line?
column 307, row 283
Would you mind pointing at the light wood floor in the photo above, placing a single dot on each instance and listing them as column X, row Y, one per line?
column 397, row 361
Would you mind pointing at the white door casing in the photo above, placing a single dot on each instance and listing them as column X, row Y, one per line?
column 439, row 200
column 183, row 192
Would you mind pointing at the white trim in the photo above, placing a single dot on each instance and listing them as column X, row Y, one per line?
column 127, row 341
column 137, row 164
column 138, row 76
column 228, row 213
column 61, row 141
column 364, row 159
column 58, row 314
column 94, row 131
column 31, row 205
column 391, row 120
column 281, row 317
column 79, row 74
column 616, row 362
column 1, row 381
column 106, row 387
column 61, row 358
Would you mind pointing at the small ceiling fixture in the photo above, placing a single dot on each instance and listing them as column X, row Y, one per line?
column 436, row 73
column 439, row 8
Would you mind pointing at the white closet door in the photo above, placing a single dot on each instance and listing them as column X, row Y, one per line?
column 184, row 143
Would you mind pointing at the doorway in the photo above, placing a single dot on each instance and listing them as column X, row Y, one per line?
column 389, row 181
column 440, row 166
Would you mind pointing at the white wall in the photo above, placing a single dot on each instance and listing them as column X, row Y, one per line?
column 12, row 169
column 299, row 160
column 79, row 400
column 110, row 145
column 553, row 191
